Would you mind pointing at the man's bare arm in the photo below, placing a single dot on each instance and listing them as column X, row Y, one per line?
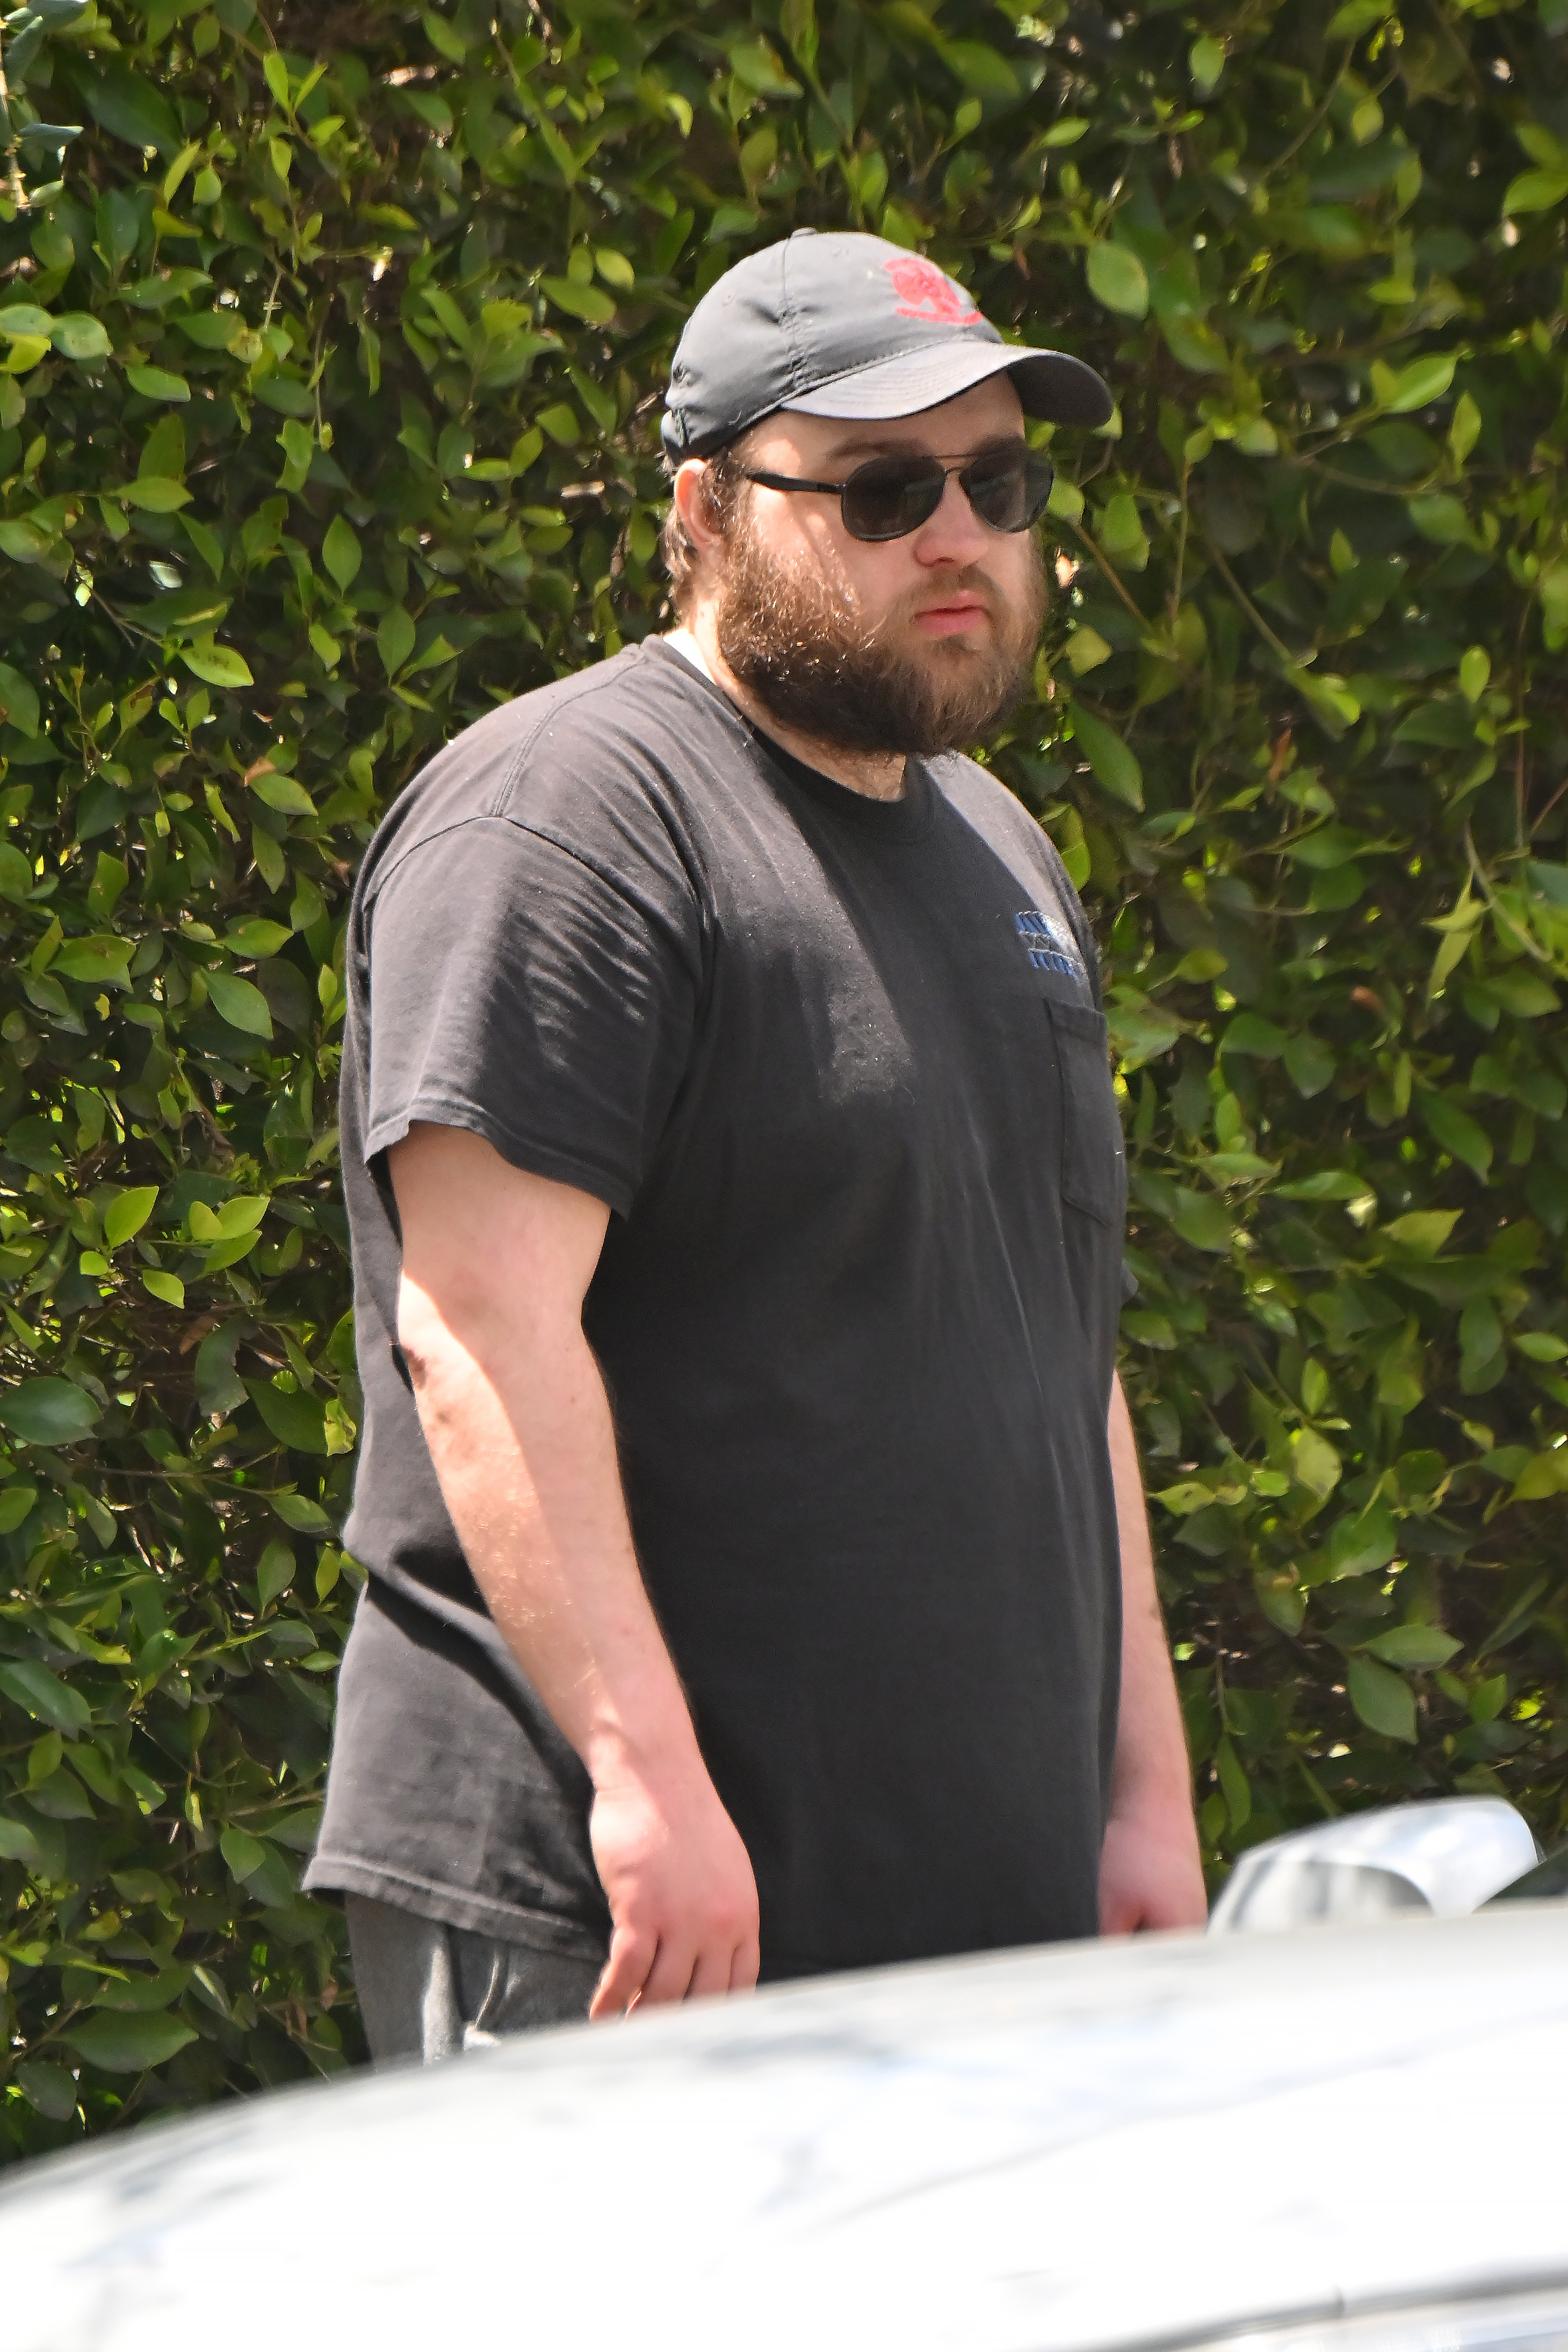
column 495, row 1269
column 1149, row 1872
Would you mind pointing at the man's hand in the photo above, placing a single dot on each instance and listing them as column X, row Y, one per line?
column 1149, row 1871
column 679, row 1883
column 1150, row 1875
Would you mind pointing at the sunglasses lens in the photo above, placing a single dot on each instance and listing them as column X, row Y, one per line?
column 892, row 497
column 1009, row 489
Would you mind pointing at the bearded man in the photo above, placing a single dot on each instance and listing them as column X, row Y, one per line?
column 760, row 1580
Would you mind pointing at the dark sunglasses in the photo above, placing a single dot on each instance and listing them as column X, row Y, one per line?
column 891, row 497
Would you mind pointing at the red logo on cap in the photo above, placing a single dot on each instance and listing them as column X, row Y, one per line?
column 927, row 292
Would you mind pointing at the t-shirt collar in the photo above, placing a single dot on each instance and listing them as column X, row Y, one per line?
column 905, row 819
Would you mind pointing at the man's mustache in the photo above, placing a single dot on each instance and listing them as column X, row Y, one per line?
column 972, row 581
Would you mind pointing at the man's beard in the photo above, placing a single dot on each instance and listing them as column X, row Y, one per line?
column 814, row 663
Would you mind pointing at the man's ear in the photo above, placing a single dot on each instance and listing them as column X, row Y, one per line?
column 694, row 502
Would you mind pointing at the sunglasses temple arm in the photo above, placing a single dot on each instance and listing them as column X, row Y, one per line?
column 793, row 482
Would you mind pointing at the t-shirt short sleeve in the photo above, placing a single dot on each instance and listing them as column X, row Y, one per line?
column 519, row 992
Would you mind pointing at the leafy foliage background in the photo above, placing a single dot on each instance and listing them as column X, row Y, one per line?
column 332, row 339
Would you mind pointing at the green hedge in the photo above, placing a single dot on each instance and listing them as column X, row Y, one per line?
column 331, row 344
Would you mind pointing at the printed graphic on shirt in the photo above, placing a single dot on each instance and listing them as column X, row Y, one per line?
column 1048, row 944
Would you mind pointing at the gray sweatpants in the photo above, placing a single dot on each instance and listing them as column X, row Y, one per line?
column 431, row 1992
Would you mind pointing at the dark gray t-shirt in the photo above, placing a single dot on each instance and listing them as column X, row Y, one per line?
column 838, row 1069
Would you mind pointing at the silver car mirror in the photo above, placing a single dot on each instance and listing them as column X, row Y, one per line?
column 1446, row 1855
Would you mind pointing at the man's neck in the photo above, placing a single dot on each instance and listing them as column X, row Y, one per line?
column 878, row 775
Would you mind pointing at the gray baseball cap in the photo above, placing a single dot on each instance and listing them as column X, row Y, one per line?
column 838, row 324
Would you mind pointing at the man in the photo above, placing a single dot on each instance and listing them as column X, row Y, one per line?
column 756, row 1547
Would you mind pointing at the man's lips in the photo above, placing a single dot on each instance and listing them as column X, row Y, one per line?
column 954, row 612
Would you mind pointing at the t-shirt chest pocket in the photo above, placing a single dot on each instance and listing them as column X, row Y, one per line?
column 1093, row 1155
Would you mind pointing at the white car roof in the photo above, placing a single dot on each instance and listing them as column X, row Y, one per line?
column 1103, row 2145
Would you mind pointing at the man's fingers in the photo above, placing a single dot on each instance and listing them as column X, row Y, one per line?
column 670, row 1978
column 654, row 1976
column 625, row 1973
column 713, row 1973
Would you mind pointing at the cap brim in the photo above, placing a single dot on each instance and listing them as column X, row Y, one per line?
column 1051, row 386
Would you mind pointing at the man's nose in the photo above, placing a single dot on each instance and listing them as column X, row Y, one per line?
column 955, row 533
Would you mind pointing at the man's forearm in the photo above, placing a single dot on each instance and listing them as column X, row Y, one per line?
column 1152, row 1764
column 1150, row 1875
column 521, row 1438
column 512, row 1404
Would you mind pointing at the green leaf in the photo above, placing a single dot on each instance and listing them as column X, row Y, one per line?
column 1118, row 280
column 111, row 876
column 1362, row 1542
column 1115, row 767
column 16, row 1502
column 1356, row 18
column 1206, row 63
column 1309, row 1063
column 1457, row 1132
column 128, row 1213
column 216, row 664
column 283, row 793
column 1414, row 1646
column 273, row 1573
column 1249, row 1032
column 18, row 701
column 1203, row 1223
column 244, row 1853
column 130, row 106
column 1313, row 1462
column 165, row 1287
column 18, row 1843
column 298, row 1511
column 1543, row 1477
column 295, row 1418
column 757, row 64
column 219, row 1388
column 80, row 336
column 1324, row 1184
column 1417, row 385
column 980, row 69
column 1535, row 192
column 1234, row 1784
column 1422, row 1232
column 1442, row 518
column 22, row 540
column 395, row 635
column 154, row 494
column 1384, row 1701
column 30, row 1685
column 144, row 1995
column 1121, row 533
column 258, row 936
column 100, row 960
column 1464, row 432
column 560, row 421
column 1475, row 669
column 127, row 2045
column 51, row 2089
column 340, row 550
column 47, row 1412
column 25, row 320
column 240, row 1002
column 589, row 303
column 239, row 1214
column 157, row 383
